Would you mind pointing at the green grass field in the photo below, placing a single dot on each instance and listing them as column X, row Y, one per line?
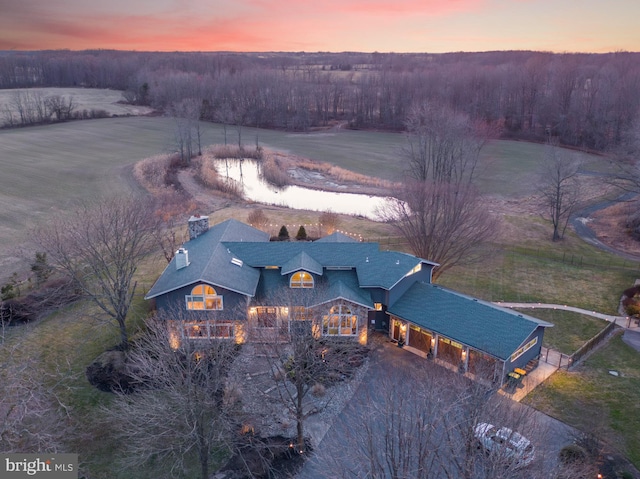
column 45, row 169
column 593, row 400
column 83, row 99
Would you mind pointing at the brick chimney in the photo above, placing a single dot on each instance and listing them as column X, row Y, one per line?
column 198, row 225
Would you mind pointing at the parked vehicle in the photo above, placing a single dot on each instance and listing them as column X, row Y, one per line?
column 513, row 445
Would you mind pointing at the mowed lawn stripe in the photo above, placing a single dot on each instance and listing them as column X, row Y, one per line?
column 45, row 169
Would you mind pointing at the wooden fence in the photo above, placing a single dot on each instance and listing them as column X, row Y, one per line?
column 564, row 361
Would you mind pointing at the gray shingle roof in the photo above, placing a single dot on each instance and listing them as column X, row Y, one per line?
column 478, row 324
column 376, row 269
column 344, row 285
column 208, row 258
column 278, row 253
column 385, row 268
column 211, row 255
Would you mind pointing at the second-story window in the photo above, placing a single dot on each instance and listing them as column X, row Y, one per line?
column 301, row 279
column 204, row 297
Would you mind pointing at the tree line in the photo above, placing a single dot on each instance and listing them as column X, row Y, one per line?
column 583, row 100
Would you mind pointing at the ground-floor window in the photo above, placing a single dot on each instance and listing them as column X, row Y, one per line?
column 267, row 316
column 207, row 329
column 340, row 322
column 300, row 313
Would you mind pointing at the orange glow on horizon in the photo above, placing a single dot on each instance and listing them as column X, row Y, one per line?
column 332, row 25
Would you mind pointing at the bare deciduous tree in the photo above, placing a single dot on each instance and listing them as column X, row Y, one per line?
column 98, row 247
column 443, row 146
column 187, row 131
column 627, row 176
column 559, row 189
column 258, row 219
column 442, row 222
column 328, row 222
column 61, row 107
column 33, row 415
column 170, row 208
column 303, row 364
column 178, row 416
column 439, row 212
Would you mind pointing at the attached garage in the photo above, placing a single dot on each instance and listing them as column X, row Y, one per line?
column 472, row 335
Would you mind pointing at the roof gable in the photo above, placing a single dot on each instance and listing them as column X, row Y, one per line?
column 302, row 261
column 336, row 237
column 210, row 262
column 385, row 268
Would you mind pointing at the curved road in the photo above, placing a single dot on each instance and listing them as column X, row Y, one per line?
column 580, row 223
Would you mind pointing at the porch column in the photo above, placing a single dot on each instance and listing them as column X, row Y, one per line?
column 465, row 359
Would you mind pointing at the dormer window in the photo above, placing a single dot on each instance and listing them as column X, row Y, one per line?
column 301, row 279
column 204, row 297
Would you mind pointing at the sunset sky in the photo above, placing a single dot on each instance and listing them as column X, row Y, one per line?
column 321, row 25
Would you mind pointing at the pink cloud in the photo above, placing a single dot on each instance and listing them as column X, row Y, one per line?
column 424, row 7
column 259, row 25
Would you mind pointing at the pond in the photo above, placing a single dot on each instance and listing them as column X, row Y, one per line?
column 256, row 189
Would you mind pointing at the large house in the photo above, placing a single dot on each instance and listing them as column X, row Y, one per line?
column 229, row 281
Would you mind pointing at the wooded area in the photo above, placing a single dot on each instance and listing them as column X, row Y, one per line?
column 583, row 100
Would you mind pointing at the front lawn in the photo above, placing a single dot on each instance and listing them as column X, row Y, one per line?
column 570, row 330
column 591, row 399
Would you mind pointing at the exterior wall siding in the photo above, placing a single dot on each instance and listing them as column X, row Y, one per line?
column 234, row 304
column 532, row 352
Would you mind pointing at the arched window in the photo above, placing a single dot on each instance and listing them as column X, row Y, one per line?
column 301, row 279
column 204, row 296
column 340, row 322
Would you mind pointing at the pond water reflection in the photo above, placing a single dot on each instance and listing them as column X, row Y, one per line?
column 255, row 189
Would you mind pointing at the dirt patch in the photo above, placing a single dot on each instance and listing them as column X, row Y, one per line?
column 609, row 225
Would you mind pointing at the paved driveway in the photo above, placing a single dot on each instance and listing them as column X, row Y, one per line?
column 549, row 435
column 632, row 338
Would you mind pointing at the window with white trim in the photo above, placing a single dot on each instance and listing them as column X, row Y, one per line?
column 301, row 279
column 267, row 316
column 340, row 322
column 208, row 329
column 519, row 352
column 204, row 297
